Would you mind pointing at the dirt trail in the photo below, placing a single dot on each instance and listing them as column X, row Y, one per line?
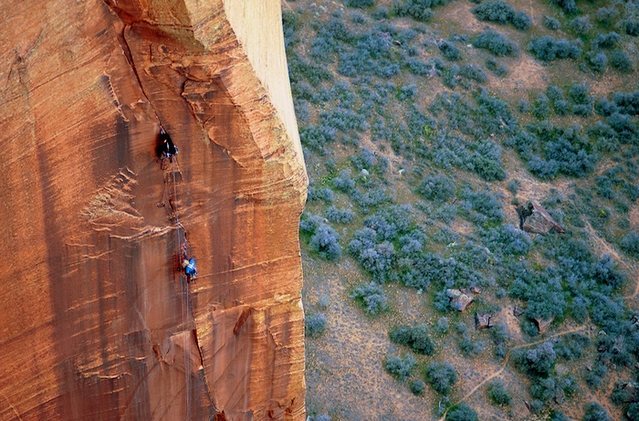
column 604, row 246
column 498, row 372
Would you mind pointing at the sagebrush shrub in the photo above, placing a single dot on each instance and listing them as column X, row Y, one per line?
column 568, row 6
column 372, row 297
column 496, row 67
column 339, row 216
column 595, row 412
column 473, row 72
column 607, row 40
column 441, row 376
column 399, row 367
column 417, row 387
column 498, row 44
column 498, row 394
column 461, row 412
column 630, row 243
column 325, row 241
column 360, row 3
column 501, row 12
column 598, row 61
column 415, row 337
column 551, row 23
column 606, row 15
column 620, row 61
column 314, row 324
column 581, row 25
column 538, row 361
column 437, row 187
column 631, row 25
column 547, row 48
column 450, row 51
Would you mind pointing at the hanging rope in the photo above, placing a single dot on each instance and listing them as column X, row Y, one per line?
column 174, row 213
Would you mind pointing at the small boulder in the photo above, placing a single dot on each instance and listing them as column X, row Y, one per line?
column 483, row 321
column 631, row 391
column 459, row 300
column 535, row 219
column 542, row 324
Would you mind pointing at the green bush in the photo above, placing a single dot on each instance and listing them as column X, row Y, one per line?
column 450, row 51
column 399, row 367
column 551, row 23
column 437, row 187
column 461, row 412
column 630, row 243
column 539, row 361
column 620, row 61
column 581, row 25
column 498, row 44
column 441, row 376
column 415, row 337
column 499, row 11
column 598, row 61
column 608, row 40
column 541, row 107
column 631, row 25
column 568, row 6
column 483, row 207
column 417, row 387
column 473, row 72
column 606, row 15
column 314, row 324
column 360, row 3
column 496, row 67
column 419, row 10
column 339, row 216
column 325, row 242
column 371, row 296
column 547, row 48
column 494, row 11
column 596, row 412
column 498, row 394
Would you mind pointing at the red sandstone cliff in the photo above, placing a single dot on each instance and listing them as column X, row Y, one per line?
column 96, row 323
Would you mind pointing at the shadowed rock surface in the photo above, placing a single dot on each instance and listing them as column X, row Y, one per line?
column 459, row 299
column 97, row 323
column 534, row 218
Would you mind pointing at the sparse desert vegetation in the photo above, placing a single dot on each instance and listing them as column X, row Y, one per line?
column 471, row 236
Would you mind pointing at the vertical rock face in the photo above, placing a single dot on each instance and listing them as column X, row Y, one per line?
column 96, row 320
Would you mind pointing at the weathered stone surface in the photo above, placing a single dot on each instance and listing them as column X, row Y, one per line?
column 542, row 324
column 459, row 300
column 534, row 218
column 483, row 321
column 96, row 322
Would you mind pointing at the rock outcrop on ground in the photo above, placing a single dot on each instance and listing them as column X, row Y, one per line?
column 535, row 219
column 97, row 322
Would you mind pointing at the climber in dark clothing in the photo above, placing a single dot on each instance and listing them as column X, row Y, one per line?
column 524, row 212
column 166, row 147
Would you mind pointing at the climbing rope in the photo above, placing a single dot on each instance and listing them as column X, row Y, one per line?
column 182, row 252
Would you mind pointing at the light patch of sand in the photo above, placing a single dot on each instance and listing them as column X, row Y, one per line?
column 459, row 12
column 524, row 74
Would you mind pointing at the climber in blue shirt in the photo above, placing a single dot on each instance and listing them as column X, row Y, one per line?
column 189, row 268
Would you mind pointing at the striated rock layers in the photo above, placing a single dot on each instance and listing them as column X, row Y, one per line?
column 97, row 323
